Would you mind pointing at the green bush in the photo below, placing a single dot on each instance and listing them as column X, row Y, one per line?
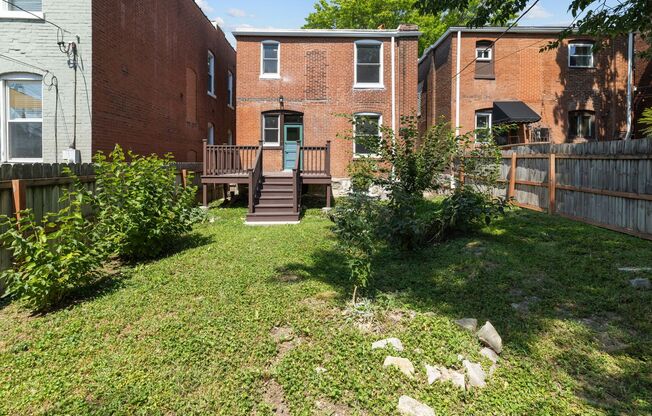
column 140, row 208
column 467, row 209
column 646, row 120
column 53, row 257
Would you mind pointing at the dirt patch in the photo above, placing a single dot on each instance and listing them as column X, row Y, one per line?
column 288, row 278
column 274, row 398
column 285, row 339
column 324, row 407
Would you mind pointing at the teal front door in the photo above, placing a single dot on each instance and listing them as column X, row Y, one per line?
column 293, row 138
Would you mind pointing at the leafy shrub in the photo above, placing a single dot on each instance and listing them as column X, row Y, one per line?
column 140, row 208
column 467, row 209
column 51, row 258
column 646, row 119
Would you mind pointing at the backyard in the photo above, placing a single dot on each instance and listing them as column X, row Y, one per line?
column 257, row 320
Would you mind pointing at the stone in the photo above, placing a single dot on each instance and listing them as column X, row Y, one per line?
column 403, row 364
column 453, row 376
column 475, row 373
column 410, row 407
column 640, row 283
column 635, row 269
column 490, row 354
column 460, row 357
column 282, row 334
column 320, row 370
column 470, row 324
column 492, row 370
column 383, row 343
column 490, row 337
column 433, row 373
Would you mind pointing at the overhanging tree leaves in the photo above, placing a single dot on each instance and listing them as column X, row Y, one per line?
column 591, row 17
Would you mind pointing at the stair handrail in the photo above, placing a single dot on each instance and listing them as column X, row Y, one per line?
column 255, row 177
column 296, row 182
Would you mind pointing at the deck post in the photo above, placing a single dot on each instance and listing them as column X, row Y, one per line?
column 205, row 143
column 204, row 192
column 327, row 162
column 328, row 195
column 251, row 191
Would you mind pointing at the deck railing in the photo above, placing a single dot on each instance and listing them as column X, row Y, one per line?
column 296, row 184
column 255, row 178
column 316, row 160
column 228, row 159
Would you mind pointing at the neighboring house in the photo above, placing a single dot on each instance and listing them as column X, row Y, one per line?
column 568, row 94
column 153, row 76
column 292, row 84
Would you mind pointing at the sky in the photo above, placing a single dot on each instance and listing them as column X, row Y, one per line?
column 291, row 14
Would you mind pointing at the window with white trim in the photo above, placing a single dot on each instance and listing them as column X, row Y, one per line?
column 483, row 53
column 21, row 117
column 367, row 127
column 368, row 64
column 580, row 55
column 270, row 58
column 482, row 125
column 211, row 73
column 271, row 129
column 229, row 89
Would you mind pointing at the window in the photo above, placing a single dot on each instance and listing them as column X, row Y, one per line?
column 21, row 118
column 482, row 125
column 270, row 59
column 211, row 74
column 483, row 52
column 580, row 55
column 229, row 89
column 271, row 130
column 484, row 64
column 211, row 134
column 29, row 5
column 368, row 64
column 367, row 127
column 581, row 125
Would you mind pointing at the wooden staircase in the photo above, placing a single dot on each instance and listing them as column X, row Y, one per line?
column 274, row 200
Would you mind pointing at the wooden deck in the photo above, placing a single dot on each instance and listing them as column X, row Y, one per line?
column 274, row 196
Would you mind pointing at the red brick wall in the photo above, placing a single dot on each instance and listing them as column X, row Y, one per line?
column 329, row 92
column 142, row 52
column 542, row 80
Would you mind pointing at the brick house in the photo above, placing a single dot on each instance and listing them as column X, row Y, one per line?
column 153, row 76
column 570, row 94
column 291, row 86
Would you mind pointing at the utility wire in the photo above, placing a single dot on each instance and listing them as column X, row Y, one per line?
column 17, row 61
column 499, row 37
column 36, row 15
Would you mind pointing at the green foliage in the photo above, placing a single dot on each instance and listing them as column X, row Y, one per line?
column 597, row 18
column 646, row 119
column 467, row 209
column 140, row 208
column 372, row 14
column 52, row 258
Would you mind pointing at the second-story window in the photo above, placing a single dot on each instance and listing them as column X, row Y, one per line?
column 229, row 89
column 368, row 64
column 270, row 60
column 211, row 73
column 29, row 5
column 580, row 55
column 484, row 60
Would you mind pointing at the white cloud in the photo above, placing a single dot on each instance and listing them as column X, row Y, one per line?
column 233, row 12
column 538, row 12
column 203, row 4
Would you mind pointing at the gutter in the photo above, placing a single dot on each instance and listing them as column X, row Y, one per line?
column 630, row 58
column 458, row 58
column 393, row 86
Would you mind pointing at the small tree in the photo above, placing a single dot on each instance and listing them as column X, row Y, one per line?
column 646, row 119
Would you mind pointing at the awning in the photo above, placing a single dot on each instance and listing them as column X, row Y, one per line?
column 513, row 112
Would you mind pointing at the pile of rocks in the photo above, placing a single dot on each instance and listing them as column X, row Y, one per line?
column 470, row 375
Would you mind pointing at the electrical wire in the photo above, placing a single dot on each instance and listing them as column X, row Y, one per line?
column 36, row 15
column 17, row 61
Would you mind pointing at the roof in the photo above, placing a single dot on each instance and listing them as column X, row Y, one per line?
column 513, row 112
column 493, row 29
column 327, row 33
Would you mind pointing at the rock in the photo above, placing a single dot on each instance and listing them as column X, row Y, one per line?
column 433, row 373
column 453, row 376
column 635, row 269
column 475, row 373
column 460, row 357
column 320, row 370
column 640, row 283
column 383, row 343
column 282, row 334
column 492, row 370
column 410, row 407
column 524, row 306
column 490, row 354
column 470, row 324
column 489, row 336
column 402, row 364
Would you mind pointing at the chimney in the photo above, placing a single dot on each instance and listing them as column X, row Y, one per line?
column 408, row 27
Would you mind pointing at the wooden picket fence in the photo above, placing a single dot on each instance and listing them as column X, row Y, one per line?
column 607, row 184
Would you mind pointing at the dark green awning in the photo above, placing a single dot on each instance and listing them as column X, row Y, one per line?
column 513, row 112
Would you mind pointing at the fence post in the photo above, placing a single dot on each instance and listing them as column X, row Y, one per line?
column 19, row 189
column 512, row 178
column 552, row 184
column 184, row 178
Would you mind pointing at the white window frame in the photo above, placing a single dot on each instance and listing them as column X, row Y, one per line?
column 571, row 45
column 380, row 134
column 483, row 49
column 4, row 118
column 262, row 131
column 270, row 75
column 374, row 85
column 211, row 72
column 229, row 89
column 5, row 13
column 483, row 113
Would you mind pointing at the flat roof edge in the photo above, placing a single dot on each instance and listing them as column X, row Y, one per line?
column 334, row 33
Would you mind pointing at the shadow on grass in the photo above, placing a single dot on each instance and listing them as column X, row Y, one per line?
column 523, row 274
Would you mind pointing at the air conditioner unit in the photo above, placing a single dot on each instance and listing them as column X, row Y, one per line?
column 542, row 134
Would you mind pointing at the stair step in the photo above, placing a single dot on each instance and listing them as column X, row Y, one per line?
column 281, row 199
column 277, row 186
column 275, row 193
column 278, row 180
column 272, row 217
column 274, row 208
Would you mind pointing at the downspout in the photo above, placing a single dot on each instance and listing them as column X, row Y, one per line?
column 457, row 82
column 630, row 58
column 393, row 87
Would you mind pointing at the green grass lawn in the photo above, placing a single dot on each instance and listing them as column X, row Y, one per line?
column 198, row 332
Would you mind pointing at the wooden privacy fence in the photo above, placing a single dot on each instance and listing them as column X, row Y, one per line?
column 607, row 184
